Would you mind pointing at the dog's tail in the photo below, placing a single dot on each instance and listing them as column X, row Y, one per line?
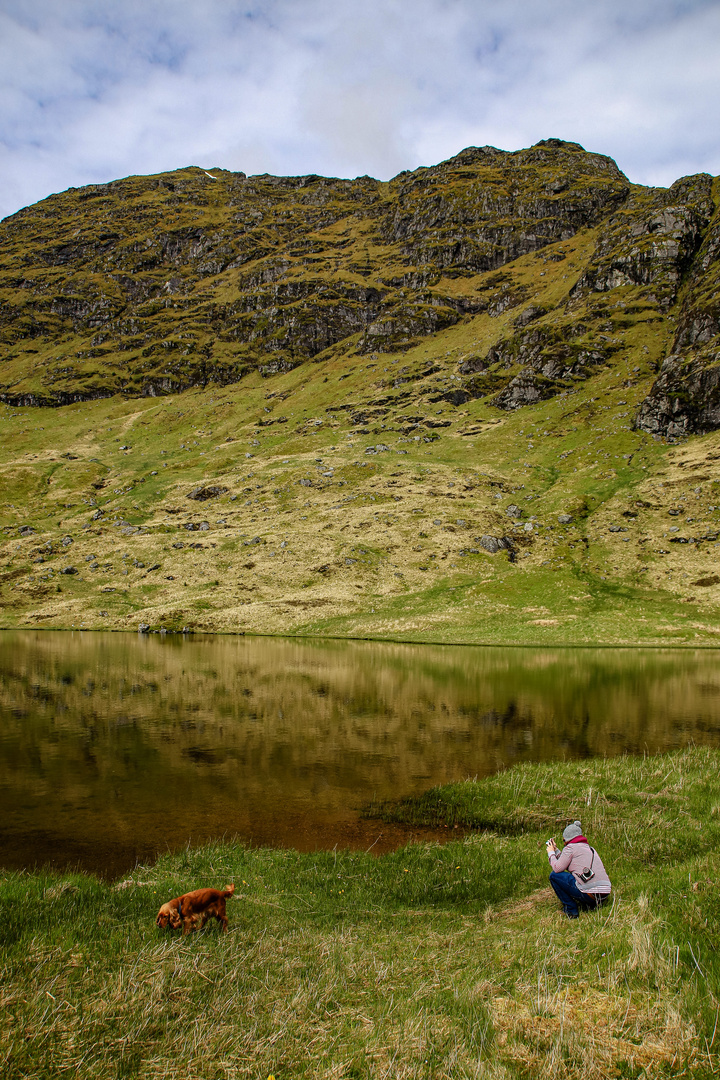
column 228, row 891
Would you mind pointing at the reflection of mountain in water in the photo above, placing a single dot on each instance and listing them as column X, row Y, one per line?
column 281, row 741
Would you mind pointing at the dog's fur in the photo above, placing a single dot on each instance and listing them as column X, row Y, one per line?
column 193, row 907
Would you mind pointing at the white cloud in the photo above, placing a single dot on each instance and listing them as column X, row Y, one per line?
column 90, row 90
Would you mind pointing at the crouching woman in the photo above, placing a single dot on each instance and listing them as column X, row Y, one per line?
column 578, row 876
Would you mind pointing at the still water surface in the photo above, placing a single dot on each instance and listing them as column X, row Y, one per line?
column 115, row 747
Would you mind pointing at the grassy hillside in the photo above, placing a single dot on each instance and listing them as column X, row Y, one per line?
column 477, row 441
column 435, row 961
column 309, row 533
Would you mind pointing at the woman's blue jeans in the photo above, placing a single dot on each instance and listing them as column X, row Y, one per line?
column 569, row 895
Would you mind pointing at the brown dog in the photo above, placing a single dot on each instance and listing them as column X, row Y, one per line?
column 200, row 905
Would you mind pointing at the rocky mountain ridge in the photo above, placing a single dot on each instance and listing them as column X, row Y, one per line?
column 152, row 285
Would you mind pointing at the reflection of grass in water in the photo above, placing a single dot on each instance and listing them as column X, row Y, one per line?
column 218, row 677
column 117, row 723
column 449, row 961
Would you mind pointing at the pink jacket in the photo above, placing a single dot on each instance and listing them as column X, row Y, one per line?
column 575, row 856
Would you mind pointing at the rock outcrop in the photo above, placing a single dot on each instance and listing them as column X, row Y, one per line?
column 685, row 399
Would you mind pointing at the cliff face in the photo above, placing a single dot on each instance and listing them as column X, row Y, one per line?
column 152, row 285
column 686, row 396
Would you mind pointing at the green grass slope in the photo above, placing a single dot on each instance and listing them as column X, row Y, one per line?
column 305, row 531
column 443, row 961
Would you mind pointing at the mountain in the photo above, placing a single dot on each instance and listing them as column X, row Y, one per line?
column 507, row 315
column 154, row 284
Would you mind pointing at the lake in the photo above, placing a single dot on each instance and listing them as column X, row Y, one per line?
column 114, row 747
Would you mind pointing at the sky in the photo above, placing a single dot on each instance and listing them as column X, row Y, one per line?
column 93, row 90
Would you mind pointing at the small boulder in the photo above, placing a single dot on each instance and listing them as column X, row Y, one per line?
column 201, row 494
column 497, row 543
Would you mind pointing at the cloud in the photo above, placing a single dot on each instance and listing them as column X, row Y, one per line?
column 91, row 91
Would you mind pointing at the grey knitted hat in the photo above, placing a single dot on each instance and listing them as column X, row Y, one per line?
column 572, row 831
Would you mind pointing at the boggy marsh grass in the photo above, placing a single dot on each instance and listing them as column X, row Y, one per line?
column 436, row 961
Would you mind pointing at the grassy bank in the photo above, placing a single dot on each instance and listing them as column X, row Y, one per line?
column 435, row 961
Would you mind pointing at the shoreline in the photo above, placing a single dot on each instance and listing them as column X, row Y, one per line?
column 455, row 953
column 393, row 836
column 323, row 638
